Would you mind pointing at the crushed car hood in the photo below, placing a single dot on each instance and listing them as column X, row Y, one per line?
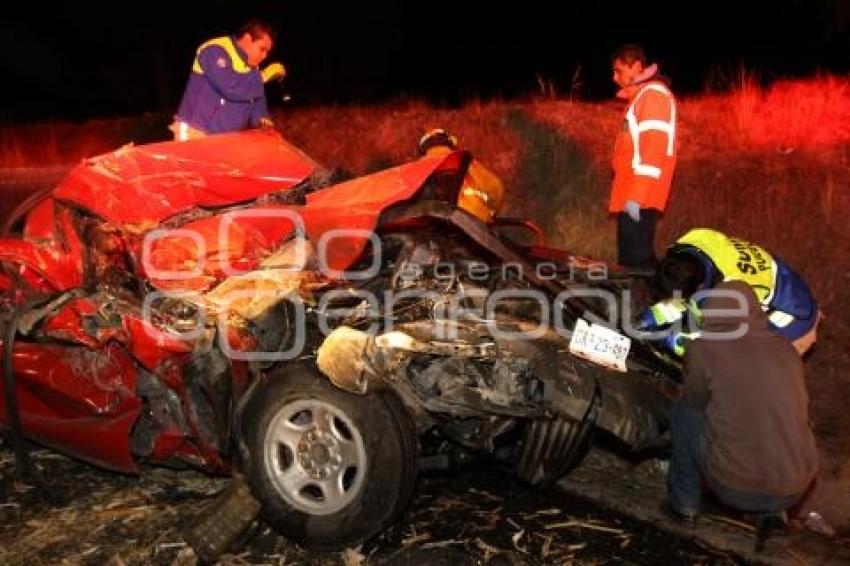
column 144, row 185
column 339, row 221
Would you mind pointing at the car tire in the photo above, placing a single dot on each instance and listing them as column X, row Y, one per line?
column 330, row 468
column 552, row 447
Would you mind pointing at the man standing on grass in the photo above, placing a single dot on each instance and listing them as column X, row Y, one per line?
column 644, row 156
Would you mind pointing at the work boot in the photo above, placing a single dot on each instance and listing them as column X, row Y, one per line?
column 768, row 524
column 683, row 518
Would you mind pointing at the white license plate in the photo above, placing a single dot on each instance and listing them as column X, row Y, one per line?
column 600, row 345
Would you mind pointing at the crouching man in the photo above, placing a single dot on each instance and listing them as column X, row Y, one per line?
column 741, row 427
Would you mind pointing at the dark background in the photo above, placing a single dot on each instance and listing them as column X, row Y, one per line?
column 92, row 59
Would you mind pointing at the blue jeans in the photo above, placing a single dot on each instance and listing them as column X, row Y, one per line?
column 687, row 453
column 685, row 478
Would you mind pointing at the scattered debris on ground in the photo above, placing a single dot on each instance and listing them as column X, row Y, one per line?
column 480, row 515
column 636, row 488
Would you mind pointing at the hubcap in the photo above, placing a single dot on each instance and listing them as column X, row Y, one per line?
column 315, row 457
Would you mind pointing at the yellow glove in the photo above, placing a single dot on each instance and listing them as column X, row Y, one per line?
column 273, row 71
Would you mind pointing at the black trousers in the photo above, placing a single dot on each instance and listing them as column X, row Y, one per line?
column 636, row 240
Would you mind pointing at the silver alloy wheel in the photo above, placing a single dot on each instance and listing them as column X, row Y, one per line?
column 314, row 457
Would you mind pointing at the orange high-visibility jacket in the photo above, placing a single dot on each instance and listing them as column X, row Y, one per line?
column 645, row 150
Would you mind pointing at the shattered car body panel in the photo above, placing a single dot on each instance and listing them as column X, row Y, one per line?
column 49, row 257
column 81, row 401
column 112, row 202
column 141, row 186
column 157, row 289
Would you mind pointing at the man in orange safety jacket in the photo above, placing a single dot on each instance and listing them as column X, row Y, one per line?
column 644, row 156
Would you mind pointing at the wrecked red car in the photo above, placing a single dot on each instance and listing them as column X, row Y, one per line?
column 220, row 303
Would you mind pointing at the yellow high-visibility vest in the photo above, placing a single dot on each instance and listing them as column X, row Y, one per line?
column 737, row 260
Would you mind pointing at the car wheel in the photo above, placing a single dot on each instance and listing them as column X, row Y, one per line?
column 330, row 468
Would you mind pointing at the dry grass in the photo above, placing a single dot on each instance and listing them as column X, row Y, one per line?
column 793, row 115
column 41, row 145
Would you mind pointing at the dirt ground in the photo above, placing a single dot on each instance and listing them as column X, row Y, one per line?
column 604, row 512
column 636, row 486
column 478, row 516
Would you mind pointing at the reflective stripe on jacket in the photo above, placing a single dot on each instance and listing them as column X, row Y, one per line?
column 791, row 307
column 224, row 92
column 645, row 150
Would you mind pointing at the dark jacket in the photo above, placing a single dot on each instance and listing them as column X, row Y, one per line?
column 753, row 392
column 224, row 93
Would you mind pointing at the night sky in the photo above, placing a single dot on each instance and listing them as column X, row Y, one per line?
column 83, row 60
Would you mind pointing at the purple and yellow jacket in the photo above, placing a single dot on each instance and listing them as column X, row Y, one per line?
column 224, row 93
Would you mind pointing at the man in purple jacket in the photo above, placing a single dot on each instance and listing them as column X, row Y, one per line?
column 225, row 90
